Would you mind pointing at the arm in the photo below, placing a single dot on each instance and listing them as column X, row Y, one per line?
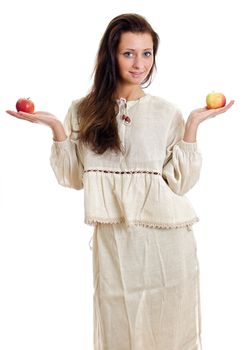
column 183, row 161
column 66, row 153
column 197, row 116
column 58, row 132
column 66, row 157
column 190, row 130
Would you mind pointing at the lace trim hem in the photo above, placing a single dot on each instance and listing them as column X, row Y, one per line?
column 94, row 221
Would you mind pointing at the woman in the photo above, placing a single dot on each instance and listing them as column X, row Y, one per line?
column 135, row 157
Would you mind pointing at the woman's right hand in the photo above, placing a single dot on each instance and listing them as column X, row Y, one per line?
column 44, row 118
column 36, row 117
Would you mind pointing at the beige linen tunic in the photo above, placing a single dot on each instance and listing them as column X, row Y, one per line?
column 145, row 185
column 145, row 268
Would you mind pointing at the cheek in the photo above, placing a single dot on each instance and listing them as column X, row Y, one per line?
column 122, row 64
column 149, row 64
column 125, row 63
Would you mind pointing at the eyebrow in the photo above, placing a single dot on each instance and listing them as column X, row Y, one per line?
column 135, row 50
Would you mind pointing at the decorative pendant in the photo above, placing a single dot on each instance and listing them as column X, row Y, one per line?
column 126, row 119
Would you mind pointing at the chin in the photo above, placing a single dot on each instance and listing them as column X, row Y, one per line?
column 137, row 80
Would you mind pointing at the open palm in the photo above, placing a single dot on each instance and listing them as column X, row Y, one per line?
column 201, row 114
column 39, row 117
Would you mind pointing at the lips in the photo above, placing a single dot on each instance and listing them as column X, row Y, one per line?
column 137, row 74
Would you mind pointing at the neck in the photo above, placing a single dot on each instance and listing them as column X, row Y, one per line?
column 129, row 93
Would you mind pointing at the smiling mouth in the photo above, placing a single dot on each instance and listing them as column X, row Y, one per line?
column 136, row 73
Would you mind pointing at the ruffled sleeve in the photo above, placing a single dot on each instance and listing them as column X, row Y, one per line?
column 66, row 157
column 183, row 161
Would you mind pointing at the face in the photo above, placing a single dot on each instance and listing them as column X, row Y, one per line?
column 134, row 57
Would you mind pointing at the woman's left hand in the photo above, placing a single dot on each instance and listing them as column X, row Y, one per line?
column 200, row 114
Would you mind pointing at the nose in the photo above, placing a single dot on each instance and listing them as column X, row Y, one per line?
column 138, row 62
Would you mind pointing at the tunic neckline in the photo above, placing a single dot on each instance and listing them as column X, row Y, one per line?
column 132, row 102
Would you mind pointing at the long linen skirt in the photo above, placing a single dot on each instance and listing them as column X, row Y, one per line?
column 146, row 288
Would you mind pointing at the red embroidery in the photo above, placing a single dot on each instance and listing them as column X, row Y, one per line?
column 123, row 172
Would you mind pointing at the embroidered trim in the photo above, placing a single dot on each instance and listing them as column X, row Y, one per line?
column 94, row 221
column 188, row 224
column 123, row 172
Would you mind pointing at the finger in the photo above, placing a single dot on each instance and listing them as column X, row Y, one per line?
column 15, row 114
column 221, row 110
column 225, row 108
column 230, row 103
column 20, row 115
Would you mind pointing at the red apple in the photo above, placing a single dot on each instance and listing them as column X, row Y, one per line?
column 25, row 105
column 215, row 100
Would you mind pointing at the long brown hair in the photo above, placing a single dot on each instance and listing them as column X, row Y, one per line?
column 97, row 111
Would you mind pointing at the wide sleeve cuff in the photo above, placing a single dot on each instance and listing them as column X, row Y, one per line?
column 62, row 145
column 188, row 146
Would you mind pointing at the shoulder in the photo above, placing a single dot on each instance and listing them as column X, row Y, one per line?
column 73, row 108
column 76, row 102
column 71, row 120
column 164, row 106
column 161, row 102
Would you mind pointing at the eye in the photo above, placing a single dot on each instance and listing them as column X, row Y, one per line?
column 128, row 54
column 148, row 53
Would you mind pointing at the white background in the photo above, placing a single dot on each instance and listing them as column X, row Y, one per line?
column 47, row 53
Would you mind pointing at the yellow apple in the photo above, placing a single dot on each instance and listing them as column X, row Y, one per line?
column 215, row 100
